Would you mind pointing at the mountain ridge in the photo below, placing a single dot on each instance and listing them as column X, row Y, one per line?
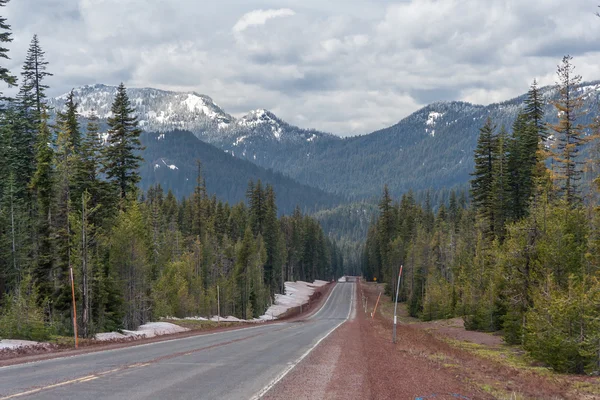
column 429, row 149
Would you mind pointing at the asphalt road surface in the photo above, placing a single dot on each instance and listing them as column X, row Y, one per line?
column 237, row 364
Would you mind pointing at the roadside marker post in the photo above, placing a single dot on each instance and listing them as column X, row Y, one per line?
column 396, row 304
column 218, row 306
column 376, row 304
column 74, row 308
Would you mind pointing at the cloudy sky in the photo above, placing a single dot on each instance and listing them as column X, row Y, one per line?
column 342, row 66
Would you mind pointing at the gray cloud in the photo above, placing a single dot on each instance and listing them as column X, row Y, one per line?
column 344, row 66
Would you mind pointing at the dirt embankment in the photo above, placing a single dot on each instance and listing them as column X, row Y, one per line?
column 65, row 349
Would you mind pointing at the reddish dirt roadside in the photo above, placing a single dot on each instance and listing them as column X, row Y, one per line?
column 432, row 360
column 38, row 353
column 358, row 361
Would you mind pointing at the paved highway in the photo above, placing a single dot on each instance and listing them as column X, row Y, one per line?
column 238, row 364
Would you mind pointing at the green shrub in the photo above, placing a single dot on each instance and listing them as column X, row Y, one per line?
column 22, row 317
column 563, row 328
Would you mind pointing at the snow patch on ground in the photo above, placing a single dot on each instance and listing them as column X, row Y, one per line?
column 197, row 103
column 148, row 330
column 433, row 116
column 240, row 140
column 109, row 336
column 296, row 294
column 227, row 319
column 15, row 344
column 170, row 166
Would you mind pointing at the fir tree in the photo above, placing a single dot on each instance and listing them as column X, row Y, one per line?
column 500, row 185
column 569, row 134
column 482, row 183
column 121, row 155
column 43, row 185
column 534, row 111
column 522, row 160
column 30, row 101
column 5, row 37
column 68, row 192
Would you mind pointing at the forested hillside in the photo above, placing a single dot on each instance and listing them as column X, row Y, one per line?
column 523, row 258
column 428, row 150
column 171, row 160
column 72, row 215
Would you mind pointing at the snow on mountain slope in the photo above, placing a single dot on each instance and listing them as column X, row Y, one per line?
column 163, row 111
column 157, row 110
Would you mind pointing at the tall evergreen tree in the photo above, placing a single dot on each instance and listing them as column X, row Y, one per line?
column 522, row 160
column 500, row 185
column 200, row 198
column 5, row 37
column 121, row 155
column 68, row 193
column 30, row 102
column 569, row 134
column 33, row 89
column 271, row 236
column 534, row 110
column 43, row 186
column 482, row 183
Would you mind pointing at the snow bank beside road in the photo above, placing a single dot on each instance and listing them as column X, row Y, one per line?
column 296, row 295
column 15, row 344
column 148, row 330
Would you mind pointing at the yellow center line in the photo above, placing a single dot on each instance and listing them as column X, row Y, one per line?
column 73, row 381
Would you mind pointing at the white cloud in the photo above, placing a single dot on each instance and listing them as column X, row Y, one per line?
column 260, row 17
column 343, row 66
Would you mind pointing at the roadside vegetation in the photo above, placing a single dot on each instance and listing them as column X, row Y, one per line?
column 523, row 256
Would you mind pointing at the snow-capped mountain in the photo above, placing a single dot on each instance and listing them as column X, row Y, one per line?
column 253, row 136
column 431, row 148
column 157, row 110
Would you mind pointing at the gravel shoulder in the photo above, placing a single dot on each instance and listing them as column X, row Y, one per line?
column 438, row 359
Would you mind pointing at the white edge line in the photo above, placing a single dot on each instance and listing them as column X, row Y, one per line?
column 287, row 370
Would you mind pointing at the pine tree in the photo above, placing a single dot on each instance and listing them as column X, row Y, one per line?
column 270, row 235
column 500, row 185
column 30, row 102
column 482, row 183
column 200, row 198
column 257, row 205
column 569, row 134
column 43, row 185
column 68, row 193
column 87, row 171
column 5, row 37
column 121, row 155
column 534, row 111
column 33, row 90
column 14, row 235
column 522, row 160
